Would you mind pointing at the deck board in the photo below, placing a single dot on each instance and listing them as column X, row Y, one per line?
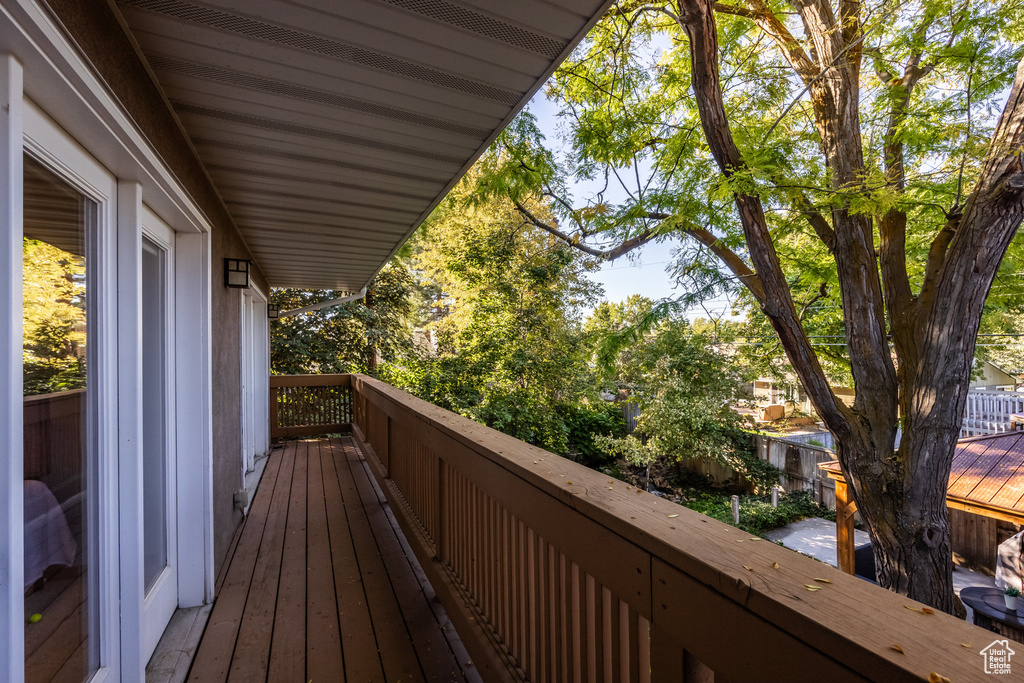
column 321, row 585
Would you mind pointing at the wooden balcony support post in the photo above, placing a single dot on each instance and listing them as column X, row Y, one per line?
column 845, row 508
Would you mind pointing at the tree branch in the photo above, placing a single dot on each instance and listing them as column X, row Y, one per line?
column 697, row 20
column 574, row 240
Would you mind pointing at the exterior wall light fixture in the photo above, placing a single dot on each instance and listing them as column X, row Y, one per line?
column 273, row 311
column 236, row 273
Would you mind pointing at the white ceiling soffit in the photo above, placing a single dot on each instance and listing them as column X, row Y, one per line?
column 332, row 128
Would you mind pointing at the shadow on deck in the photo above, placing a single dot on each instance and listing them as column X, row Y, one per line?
column 322, row 586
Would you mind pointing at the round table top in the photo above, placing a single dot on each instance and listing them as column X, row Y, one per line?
column 989, row 601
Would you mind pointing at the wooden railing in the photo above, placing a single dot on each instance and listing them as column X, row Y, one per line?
column 988, row 412
column 554, row 572
column 302, row 405
column 53, row 440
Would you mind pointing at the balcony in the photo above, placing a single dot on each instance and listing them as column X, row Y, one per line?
column 548, row 571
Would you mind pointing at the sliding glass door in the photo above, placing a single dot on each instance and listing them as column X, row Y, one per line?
column 61, row 614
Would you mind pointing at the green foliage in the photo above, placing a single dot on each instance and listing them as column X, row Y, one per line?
column 53, row 317
column 684, row 387
column 757, row 515
column 339, row 339
column 584, row 422
column 503, row 303
column 632, row 130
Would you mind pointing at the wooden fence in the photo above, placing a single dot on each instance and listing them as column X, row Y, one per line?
column 554, row 572
column 302, row 405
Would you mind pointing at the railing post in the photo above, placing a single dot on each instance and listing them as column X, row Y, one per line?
column 273, row 412
column 442, row 510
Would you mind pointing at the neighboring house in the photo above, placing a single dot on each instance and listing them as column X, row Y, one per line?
column 995, row 378
column 170, row 150
column 790, row 393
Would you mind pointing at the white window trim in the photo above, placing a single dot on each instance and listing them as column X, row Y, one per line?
column 161, row 599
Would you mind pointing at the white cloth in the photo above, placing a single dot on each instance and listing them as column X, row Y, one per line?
column 1008, row 562
column 48, row 539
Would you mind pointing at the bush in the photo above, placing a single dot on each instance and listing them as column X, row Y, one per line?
column 757, row 515
column 583, row 422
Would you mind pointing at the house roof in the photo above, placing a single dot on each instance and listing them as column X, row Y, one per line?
column 987, row 476
column 332, row 129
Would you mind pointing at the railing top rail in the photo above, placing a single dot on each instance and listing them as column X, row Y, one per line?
column 310, row 380
column 846, row 620
column 55, row 396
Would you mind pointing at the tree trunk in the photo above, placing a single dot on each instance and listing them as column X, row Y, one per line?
column 906, row 518
column 901, row 494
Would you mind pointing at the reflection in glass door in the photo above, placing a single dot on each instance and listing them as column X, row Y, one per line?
column 60, row 580
column 158, row 499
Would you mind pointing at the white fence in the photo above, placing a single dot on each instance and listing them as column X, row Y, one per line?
column 988, row 412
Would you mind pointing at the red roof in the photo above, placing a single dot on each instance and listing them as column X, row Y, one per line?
column 987, row 476
column 989, row 471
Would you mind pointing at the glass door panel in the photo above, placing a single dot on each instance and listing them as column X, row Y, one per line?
column 154, row 410
column 60, row 610
column 158, row 444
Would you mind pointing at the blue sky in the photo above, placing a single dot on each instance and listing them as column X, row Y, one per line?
column 645, row 273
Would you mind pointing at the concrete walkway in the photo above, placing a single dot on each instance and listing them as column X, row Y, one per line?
column 816, row 537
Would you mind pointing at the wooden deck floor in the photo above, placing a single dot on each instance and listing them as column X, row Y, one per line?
column 321, row 585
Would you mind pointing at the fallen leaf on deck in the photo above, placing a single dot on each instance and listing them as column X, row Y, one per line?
column 937, row 678
column 775, row 565
column 927, row 610
column 739, row 540
column 967, row 645
column 897, row 648
column 823, row 580
column 749, row 569
column 812, row 588
column 567, row 483
column 671, row 516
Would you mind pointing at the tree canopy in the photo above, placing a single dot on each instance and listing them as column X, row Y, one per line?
column 344, row 338
column 53, row 318
column 851, row 166
column 504, row 303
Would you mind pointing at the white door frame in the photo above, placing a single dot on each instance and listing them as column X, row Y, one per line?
column 254, row 350
column 12, row 467
column 49, row 144
column 38, row 62
column 161, row 599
